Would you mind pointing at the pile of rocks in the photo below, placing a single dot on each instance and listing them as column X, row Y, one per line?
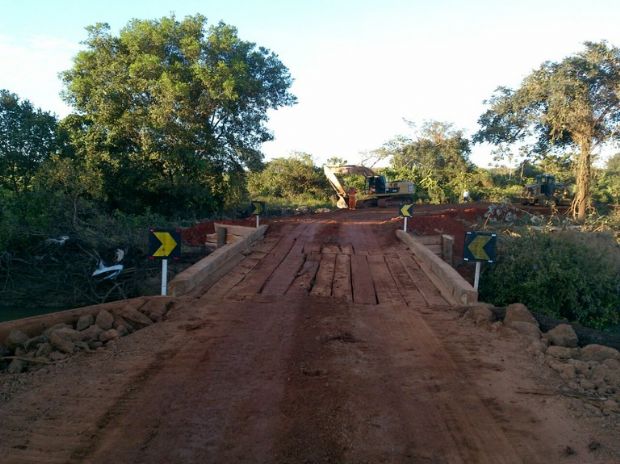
column 591, row 370
column 21, row 352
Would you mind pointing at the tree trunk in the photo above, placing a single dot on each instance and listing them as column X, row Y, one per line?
column 582, row 200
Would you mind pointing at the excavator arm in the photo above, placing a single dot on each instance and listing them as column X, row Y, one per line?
column 330, row 173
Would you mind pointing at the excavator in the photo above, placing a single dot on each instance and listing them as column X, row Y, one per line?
column 377, row 191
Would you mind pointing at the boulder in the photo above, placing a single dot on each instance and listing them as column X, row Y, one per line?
column 525, row 328
column 480, row 314
column 563, row 335
column 17, row 366
column 599, row 353
column 62, row 344
column 84, row 322
column 121, row 325
column 55, row 327
column 95, row 344
column 135, row 317
column 91, row 333
column 57, row 356
column 34, row 342
column 43, row 350
column 16, row 339
column 560, row 352
column 104, row 320
column 518, row 312
column 156, row 308
column 108, row 335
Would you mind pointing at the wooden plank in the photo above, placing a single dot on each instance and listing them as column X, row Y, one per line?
column 407, row 288
column 241, row 231
column 285, row 274
column 330, row 248
column 429, row 239
column 363, row 287
column 387, row 291
column 312, row 247
column 342, row 278
column 347, row 249
column 255, row 280
column 325, row 276
column 428, row 290
column 305, row 276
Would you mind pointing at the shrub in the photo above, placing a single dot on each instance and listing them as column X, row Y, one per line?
column 570, row 275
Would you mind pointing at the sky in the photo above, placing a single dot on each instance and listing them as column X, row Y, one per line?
column 361, row 68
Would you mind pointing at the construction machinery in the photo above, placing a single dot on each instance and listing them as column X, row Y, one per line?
column 546, row 191
column 377, row 190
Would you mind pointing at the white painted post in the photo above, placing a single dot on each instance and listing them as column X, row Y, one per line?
column 257, row 221
column 405, row 226
column 477, row 277
column 164, row 277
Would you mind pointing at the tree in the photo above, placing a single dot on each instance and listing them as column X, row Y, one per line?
column 168, row 107
column 573, row 104
column 28, row 136
column 290, row 177
column 437, row 160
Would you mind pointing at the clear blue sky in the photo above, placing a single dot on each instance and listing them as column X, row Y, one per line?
column 360, row 67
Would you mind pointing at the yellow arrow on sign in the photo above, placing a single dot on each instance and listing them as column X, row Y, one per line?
column 477, row 247
column 258, row 208
column 404, row 210
column 168, row 244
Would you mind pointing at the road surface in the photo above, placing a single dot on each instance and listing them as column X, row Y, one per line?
column 327, row 344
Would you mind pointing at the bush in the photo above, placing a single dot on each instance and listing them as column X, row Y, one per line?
column 570, row 275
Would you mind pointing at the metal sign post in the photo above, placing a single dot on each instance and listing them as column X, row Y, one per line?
column 164, row 244
column 405, row 211
column 479, row 247
column 258, row 207
column 164, row 277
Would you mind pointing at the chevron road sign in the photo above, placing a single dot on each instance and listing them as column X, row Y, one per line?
column 480, row 246
column 405, row 210
column 258, row 208
column 164, row 244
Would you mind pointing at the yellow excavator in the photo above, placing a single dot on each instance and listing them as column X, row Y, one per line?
column 377, row 190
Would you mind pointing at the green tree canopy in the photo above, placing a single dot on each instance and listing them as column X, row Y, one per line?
column 28, row 136
column 574, row 103
column 168, row 106
column 290, row 177
column 436, row 159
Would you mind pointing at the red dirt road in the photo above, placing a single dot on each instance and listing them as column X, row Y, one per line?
column 327, row 344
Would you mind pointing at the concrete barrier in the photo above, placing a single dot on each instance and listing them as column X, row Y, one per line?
column 209, row 270
column 454, row 288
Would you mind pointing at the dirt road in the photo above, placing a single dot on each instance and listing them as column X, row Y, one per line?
column 327, row 344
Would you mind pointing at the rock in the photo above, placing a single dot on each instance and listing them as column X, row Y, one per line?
column 43, row 350
column 55, row 327
column 108, row 335
column 610, row 406
column 518, row 312
column 84, row 322
column 104, row 320
column 581, row 367
column 57, row 356
column 91, row 333
column 480, row 314
column 16, row 339
column 560, row 352
column 612, row 364
column 156, row 308
column 536, row 348
column 586, row 384
column 17, row 366
column 567, row 372
column 95, row 344
column 35, row 342
column 82, row 346
column 4, row 351
column 599, row 353
column 563, row 335
column 121, row 329
column 68, row 334
column 119, row 322
column 525, row 328
column 135, row 317
column 61, row 343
